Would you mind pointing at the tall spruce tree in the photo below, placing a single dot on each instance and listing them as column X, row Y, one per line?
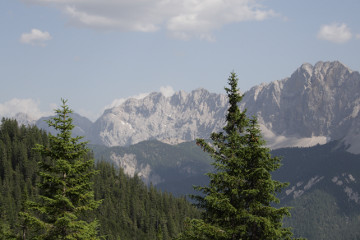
column 66, row 194
column 238, row 203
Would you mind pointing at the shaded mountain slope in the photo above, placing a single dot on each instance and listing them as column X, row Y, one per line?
column 324, row 182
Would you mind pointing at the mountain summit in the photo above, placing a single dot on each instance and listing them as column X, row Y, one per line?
column 314, row 105
column 181, row 117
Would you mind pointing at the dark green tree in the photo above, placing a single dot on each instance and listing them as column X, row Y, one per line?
column 66, row 195
column 239, row 201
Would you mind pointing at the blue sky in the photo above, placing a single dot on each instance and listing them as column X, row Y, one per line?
column 97, row 52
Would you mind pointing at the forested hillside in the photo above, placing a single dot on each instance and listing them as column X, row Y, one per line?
column 17, row 170
column 323, row 192
column 172, row 168
column 130, row 209
column 322, row 208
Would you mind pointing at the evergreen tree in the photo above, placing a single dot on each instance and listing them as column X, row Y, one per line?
column 238, row 203
column 66, row 194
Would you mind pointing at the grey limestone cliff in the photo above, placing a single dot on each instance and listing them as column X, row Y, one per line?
column 321, row 100
column 181, row 117
column 314, row 105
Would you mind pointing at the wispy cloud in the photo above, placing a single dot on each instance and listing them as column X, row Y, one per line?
column 336, row 33
column 35, row 37
column 17, row 105
column 119, row 101
column 183, row 19
column 167, row 91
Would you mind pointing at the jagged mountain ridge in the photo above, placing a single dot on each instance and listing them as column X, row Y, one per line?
column 315, row 100
column 314, row 105
column 181, row 117
column 320, row 101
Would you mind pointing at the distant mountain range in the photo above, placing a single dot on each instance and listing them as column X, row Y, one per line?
column 314, row 105
column 181, row 117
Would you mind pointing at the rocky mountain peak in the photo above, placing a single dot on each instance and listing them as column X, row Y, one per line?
column 178, row 98
column 181, row 117
column 306, row 67
column 330, row 66
column 333, row 73
column 317, row 103
column 305, row 70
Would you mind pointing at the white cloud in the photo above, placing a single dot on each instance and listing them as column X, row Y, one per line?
column 167, row 91
column 336, row 33
column 200, row 18
column 27, row 106
column 119, row 101
column 182, row 18
column 35, row 37
column 357, row 36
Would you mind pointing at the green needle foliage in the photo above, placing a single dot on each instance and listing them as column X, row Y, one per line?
column 66, row 195
column 238, row 203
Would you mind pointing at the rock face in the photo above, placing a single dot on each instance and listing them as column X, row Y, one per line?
column 314, row 105
column 181, row 117
column 316, row 101
column 131, row 167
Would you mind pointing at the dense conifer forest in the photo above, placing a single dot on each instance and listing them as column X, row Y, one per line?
column 129, row 209
column 18, row 171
